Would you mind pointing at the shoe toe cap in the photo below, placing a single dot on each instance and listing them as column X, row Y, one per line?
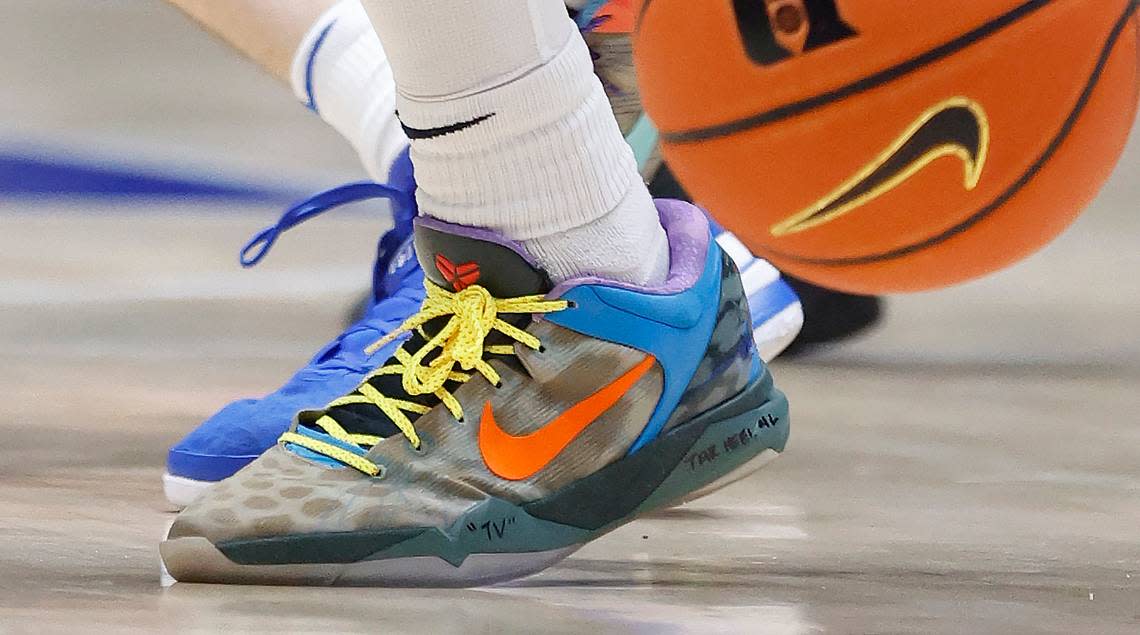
column 244, row 429
column 277, row 494
column 229, row 440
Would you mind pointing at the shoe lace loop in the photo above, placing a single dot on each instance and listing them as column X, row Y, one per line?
column 474, row 314
column 258, row 247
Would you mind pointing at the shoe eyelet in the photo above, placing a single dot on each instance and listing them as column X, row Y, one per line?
column 541, row 349
column 571, row 304
column 420, row 451
column 383, row 471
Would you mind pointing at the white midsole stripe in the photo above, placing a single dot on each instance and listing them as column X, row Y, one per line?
column 735, row 249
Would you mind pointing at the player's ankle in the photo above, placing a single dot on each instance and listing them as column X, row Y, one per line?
column 541, row 160
column 628, row 245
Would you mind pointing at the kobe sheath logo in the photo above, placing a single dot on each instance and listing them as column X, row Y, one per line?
column 458, row 276
column 957, row 127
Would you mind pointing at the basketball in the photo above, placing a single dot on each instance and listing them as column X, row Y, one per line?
column 890, row 145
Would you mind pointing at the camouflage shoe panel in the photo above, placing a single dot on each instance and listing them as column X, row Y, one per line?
column 728, row 364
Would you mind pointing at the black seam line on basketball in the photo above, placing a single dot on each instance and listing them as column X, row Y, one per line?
column 1017, row 186
column 431, row 133
column 865, row 84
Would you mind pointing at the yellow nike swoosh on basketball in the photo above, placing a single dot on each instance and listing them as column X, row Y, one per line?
column 519, row 457
column 956, row 127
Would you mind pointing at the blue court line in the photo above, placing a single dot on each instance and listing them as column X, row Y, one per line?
column 26, row 176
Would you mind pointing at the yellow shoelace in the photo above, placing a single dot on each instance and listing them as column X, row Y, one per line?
column 474, row 314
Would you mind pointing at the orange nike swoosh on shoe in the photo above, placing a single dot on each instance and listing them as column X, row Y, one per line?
column 519, row 457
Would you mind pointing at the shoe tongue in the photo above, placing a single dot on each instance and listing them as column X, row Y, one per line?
column 400, row 267
column 455, row 257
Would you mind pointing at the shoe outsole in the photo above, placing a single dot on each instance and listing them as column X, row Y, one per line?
column 704, row 456
column 197, row 560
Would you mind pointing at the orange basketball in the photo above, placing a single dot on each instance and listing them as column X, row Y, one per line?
column 891, row 145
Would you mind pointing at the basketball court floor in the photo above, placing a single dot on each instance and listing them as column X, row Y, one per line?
column 971, row 466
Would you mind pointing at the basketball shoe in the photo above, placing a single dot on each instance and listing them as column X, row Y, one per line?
column 242, row 430
column 518, row 421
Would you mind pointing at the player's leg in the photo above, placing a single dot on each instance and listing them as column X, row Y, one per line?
column 327, row 51
column 511, row 131
column 547, row 391
column 340, row 70
column 266, row 31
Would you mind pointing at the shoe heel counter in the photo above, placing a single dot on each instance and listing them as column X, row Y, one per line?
column 734, row 314
column 731, row 360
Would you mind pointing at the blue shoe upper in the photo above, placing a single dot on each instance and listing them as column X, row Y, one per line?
column 242, row 430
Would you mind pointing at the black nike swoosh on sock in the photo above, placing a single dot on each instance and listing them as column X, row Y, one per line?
column 431, row 133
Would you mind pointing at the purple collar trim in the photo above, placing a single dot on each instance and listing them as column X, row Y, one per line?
column 687, row 229
column 478, row 233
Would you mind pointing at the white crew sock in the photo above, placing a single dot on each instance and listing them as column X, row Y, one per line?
column 546, row 163
column 341, row 72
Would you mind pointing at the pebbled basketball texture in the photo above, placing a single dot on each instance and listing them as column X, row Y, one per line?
column 891, row 145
